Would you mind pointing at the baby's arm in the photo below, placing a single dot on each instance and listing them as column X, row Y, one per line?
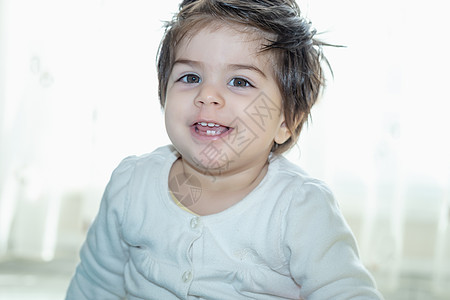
column 322, row 250
column 104, row 254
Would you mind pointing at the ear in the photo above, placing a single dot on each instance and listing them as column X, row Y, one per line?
column 283, row 134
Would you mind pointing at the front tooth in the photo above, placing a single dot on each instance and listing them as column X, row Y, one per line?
column 203, row 123
column 211, row 124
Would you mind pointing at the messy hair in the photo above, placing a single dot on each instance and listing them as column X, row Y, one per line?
column 288, row 36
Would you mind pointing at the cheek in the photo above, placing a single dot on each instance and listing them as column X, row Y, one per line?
column 177, row 98
column 170, row 112
column 172, row 106
column 172, row 127
column 176, row 116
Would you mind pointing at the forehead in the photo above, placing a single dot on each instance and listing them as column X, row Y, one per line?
column 221, row 37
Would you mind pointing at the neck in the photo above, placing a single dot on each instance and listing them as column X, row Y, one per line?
column 221, row 190
column 228, row 181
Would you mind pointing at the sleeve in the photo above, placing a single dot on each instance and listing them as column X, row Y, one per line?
column 321, row 249
column 103, row 255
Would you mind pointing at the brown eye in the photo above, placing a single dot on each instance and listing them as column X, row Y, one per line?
column 190, row 78
column 239, row 82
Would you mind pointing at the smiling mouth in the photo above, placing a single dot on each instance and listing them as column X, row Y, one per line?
column 210, row 129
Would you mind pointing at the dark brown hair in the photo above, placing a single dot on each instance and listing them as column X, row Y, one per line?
column 289, row 36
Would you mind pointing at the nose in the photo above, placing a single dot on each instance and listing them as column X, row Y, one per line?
column 209, row 94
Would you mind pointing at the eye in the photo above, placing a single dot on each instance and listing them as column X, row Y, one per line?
column 190, row 78
column 240, row 82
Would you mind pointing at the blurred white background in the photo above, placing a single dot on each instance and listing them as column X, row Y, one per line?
column 78, row 92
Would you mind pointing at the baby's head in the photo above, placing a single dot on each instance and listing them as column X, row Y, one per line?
column 286, row 36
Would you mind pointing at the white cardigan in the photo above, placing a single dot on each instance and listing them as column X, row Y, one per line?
column 286, row 240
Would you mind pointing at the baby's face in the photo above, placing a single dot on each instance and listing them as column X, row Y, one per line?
column 223, row 105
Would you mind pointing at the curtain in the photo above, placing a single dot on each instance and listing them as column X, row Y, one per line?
column 78, row 92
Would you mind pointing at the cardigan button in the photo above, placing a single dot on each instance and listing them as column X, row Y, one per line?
column 195, row 222
column 187, row 276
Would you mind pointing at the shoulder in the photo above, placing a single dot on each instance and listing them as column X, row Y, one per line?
column 133, row 175
column 303, row 201
column 307, row 201
column 302, row 186
column 159, row 155
column 316, row 241
column 147, row 161
column 140, row 167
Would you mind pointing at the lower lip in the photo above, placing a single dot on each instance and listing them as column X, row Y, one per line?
column 205, row 137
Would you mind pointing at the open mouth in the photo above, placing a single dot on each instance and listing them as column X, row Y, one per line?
column 210, row 129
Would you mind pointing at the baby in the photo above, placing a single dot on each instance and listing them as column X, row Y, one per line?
column 220, row 213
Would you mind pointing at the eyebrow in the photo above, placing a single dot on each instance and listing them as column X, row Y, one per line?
column 247, row 67
column 187, row 62
column 231, row 67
